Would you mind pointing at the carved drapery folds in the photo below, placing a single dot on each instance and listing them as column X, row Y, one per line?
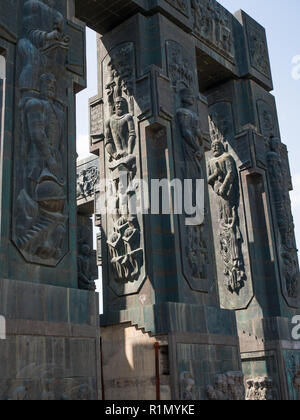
column 224, row 180
column 261, row 389
column 124, row 237
column 213, row 24
column 40, row 206
column 228, row 387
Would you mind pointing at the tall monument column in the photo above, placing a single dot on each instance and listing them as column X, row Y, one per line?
column 52, row 346
column 149, row 123
column 256, row 241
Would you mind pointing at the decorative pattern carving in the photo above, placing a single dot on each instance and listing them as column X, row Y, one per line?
column 213, row 24
column 41, row 210
column 282, row 203
column 261, row 389
column 228, row 387
column 179, row 66
column 87, row 179
column 223, row 178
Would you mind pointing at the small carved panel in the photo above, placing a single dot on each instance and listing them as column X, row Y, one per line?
column 267, row 119
column 261, row 389
column 96, row 121
column 180, row 67
column 258, row 48
column 87, row 179
column 213, row 25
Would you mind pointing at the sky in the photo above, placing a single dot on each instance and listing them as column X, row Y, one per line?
column 282, row 22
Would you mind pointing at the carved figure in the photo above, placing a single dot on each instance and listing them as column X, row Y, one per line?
column 190, row 128
column 223, row 178
column 41, row 204
column 213, row 24
column 87, row 179
column 282, row 204
column 261, row 389
column 43, row 29
column 187, row 386
column 85, row 275
column 228, row 387
column 120, row 134
column 124, row 241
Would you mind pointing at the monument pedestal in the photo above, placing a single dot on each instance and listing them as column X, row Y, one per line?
column 52, row 345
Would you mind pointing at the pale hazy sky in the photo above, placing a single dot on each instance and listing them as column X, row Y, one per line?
column 281, row 20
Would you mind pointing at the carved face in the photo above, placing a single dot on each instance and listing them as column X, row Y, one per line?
column 275, row 144
column 187, row 97
column 120, row 105
column 217, row 149
column 85, row 250
column 48, row 86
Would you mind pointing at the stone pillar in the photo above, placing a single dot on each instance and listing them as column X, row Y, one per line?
column 149, row 122
column 258, row 268
column 52, row 345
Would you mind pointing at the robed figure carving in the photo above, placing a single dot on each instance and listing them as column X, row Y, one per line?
column 41, row 204
column 223, row 178
column 189, row 124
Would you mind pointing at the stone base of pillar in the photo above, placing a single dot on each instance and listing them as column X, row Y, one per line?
column 270, row 359
column 189, row 363
column 52, row 345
